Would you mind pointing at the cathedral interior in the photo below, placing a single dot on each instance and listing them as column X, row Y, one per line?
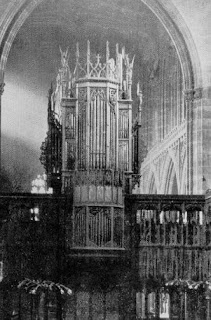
column 118, row 95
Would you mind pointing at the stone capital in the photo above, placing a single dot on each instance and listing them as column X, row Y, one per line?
column 198, row 93
column 193, row 94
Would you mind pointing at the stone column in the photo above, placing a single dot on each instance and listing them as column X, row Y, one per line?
column 189, row 98
column 140, row 96
column 205, row 105
column 198, row 123
column 2, row 84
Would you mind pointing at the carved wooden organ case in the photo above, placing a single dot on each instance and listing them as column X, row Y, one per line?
column 95, row 107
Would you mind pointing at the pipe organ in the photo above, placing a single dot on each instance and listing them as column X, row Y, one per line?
column 93, row 104
column 96, row 106
column 88, row 152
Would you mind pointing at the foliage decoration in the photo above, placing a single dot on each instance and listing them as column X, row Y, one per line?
column 38, row 286
column 185, row 284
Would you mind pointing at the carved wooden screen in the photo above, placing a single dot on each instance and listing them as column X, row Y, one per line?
column 93, row 304
column 118, row 227
column 80, row 227
column 100, row 226
column 169, row 238
column 97, row 120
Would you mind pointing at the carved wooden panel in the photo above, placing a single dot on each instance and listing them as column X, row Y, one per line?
column 170, row 241
column 113, row 127
column 80, row 227
column 123, row 155
column 82, row 103
column 99, row 227
column 123, row 124
column 70, row 124
column 98, row 129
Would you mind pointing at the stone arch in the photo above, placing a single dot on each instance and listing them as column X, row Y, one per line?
column 183, row 179
column 17, row 13
column 171, row 184
column 175, row 160
column 169, row 176
column 152, row 185
column 13, row 19
column 177, row 29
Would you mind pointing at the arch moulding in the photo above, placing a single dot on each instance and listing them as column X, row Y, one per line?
column 17, row 12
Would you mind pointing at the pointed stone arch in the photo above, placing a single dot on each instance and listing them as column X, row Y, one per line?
column 19, row 11
column 152, row 185
column 16, row 14
column 183, row 177
column 169, row 177
column 171, row 184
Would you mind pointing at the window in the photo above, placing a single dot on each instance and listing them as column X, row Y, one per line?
column 35, row 214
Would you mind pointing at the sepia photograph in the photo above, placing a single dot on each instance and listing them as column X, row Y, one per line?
column 105, row 159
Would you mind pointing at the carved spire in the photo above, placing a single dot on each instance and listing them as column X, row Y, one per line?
column 129, row 73
column 50, row 91
column 64, row 58
column 77, row 52
column 140, row 96
column 107, row 58
column 107, row 51
column 88, row 57
column 117, row 50
column 113, row 69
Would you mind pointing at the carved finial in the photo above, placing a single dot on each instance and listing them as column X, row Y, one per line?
column 117, row 49
column 129, row 66
column 98, row 58
column 50, row 91
column 139, row 94
column 107, row 51
column 88, row 58
column 132, row 61
column 88, row 48
column 77, row 51
column 123, row 52
column 64, row 57
column 138, row 89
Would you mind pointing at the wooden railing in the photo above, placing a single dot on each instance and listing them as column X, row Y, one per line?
column 171, row 235
column 175, row 244
column 170, row 245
